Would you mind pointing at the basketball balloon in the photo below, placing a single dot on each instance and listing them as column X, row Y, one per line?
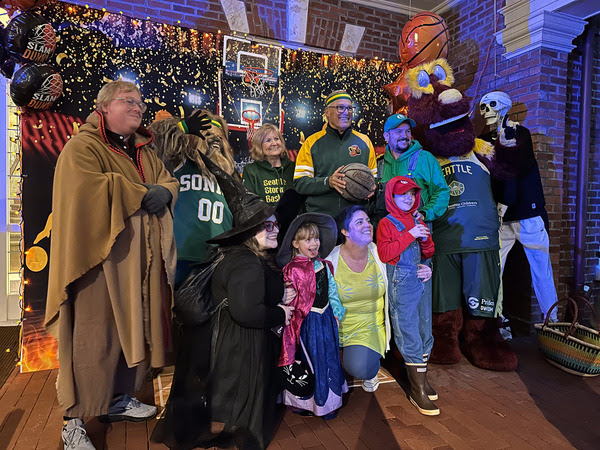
column 30, row 38
column 424, row 38
column 22, row 5
column 36, row 86
column 360, row 182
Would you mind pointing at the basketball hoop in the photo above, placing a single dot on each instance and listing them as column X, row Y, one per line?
column 251, row 117
column 254, row 78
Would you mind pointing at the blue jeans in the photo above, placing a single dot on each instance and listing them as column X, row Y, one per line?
column 361, row 362
column 410, row 307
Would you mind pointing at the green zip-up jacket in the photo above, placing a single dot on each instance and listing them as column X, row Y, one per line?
column 435, row 193
column 267, row 181
column 322, row 154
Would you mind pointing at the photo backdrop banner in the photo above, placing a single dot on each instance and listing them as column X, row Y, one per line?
column 177, row 71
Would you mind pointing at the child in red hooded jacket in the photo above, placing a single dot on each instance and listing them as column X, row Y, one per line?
column 403, row 243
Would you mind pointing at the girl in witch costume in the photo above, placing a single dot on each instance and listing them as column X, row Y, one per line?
column 313, row 332
column 225, row 390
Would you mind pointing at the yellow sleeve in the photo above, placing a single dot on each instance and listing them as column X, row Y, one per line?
column 304, row 162
column 372, row 158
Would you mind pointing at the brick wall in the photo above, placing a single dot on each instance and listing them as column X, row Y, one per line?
column 268, row 18
column 572, row 124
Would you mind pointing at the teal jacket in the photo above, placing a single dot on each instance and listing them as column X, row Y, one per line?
column 435, row 193
column 267, row 181
column 322, row 154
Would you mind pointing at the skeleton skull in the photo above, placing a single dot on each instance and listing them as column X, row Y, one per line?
column 494, row 106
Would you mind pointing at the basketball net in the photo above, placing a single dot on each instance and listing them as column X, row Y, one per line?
column 250, row 132
column 251, row 117
column 252, row 80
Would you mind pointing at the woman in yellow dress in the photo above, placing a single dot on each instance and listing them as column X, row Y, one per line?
column 361, row 278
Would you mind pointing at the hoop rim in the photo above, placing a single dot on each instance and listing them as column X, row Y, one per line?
column 260, row 71
column 251, row 121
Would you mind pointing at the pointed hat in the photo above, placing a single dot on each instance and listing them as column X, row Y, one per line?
column 248, row 209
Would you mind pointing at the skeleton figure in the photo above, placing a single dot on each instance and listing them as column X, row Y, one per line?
column 517, row 188
column 494, row 107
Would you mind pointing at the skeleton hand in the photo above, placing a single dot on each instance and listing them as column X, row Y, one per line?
column 507, row 132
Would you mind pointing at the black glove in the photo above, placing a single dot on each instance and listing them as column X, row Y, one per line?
column 156, row 199
column 196, row 124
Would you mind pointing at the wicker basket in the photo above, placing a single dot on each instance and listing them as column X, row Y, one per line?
column 572, row 347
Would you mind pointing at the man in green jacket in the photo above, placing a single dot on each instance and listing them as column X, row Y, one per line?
column 405, row 156
column 324, row 154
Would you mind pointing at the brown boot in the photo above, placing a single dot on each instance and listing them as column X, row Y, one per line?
column 445, row 328
column 418, row 397
column 484, row 347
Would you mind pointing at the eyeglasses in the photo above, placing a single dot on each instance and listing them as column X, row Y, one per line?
column 343, row 109
column 132, row 103
column 270, row 225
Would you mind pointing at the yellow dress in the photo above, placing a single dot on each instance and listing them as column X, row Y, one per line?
column 363, row 296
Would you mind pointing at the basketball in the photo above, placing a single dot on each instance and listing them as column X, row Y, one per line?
column 424, row 38
column 359, row 182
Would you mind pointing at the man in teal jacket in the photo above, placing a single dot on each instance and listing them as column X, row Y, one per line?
column 405, row 156
column 325, row 153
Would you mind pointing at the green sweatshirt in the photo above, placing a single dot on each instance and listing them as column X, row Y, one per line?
column 267, row 181
column 435, row 193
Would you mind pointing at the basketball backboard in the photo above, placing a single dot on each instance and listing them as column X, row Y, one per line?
column 239, row 54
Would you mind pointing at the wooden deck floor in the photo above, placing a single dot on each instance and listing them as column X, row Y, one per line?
column 538, row 406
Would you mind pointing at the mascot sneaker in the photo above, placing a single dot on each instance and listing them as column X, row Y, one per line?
column 75, row 436
column 370, row 385
column 130, row 409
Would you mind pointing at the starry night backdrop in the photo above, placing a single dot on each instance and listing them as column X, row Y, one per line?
column 177, row 70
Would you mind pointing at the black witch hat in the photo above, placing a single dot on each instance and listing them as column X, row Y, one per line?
column 248, row 209
column 327, row 235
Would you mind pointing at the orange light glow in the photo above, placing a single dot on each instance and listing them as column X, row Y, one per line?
column 39, row 352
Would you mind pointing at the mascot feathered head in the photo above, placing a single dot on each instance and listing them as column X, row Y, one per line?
column 173, row 146
column 441, row 112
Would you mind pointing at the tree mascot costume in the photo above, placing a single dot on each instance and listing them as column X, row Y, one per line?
column 466, row 275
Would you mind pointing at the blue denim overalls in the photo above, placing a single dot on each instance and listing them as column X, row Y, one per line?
column 410, row 304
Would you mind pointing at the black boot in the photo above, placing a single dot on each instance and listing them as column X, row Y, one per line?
column 418, row 396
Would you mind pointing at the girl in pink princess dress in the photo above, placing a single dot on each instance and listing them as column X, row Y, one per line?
column 312, row 335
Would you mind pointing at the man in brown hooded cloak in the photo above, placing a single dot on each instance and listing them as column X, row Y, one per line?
column 112, row 264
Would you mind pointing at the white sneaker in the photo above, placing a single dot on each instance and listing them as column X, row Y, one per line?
column 75, row 437
column 129, row 408
column 370, row 385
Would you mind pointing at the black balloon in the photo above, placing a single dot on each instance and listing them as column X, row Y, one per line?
column 36, row 86
column 30, row 38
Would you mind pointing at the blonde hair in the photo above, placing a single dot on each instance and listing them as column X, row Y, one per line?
column 259, row 138
column 110, row 90
column 307, row 230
